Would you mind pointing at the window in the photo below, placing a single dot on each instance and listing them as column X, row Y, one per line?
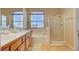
column 18, row 20
column 3, row 21
column 37, row 19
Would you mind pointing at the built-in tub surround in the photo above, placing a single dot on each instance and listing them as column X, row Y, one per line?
column 41, row 35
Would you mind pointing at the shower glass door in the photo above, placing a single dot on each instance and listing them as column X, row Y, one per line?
column 56, row 29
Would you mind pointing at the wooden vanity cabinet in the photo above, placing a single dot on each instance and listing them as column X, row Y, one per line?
column 29, row 41
column 20, row 44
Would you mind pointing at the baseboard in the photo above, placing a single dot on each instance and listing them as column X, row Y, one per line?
column 57, row 42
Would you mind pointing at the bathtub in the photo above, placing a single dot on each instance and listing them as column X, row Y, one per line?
column 41, row 36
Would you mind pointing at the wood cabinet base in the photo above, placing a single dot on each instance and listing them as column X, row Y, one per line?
column 20, row 44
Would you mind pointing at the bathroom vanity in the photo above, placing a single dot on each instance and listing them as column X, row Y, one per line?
column 20, row 41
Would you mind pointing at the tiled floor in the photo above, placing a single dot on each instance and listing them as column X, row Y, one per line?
column 48, row 47
column 40, row 44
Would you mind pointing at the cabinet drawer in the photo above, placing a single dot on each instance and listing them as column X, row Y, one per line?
column 6, row 48
column 27, row 43
column 16, row 45
column 21, row 47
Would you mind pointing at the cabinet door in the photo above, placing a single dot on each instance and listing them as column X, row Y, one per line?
column 27, row 43
column 21, row 47
column 5, row 48
column 16, row 45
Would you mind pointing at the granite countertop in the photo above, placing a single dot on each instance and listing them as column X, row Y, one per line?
column 5, row 39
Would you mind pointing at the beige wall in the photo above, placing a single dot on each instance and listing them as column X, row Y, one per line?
column 69, row 26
